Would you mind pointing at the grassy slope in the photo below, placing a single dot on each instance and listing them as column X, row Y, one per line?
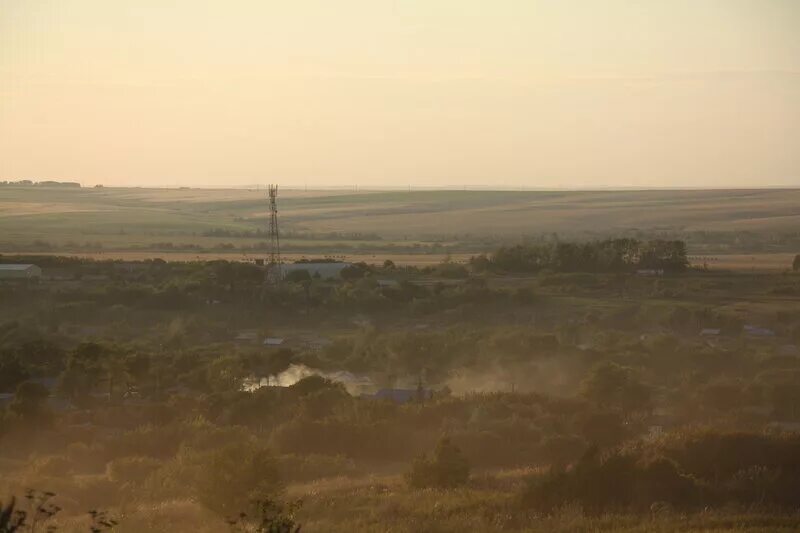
column 384, row 503
column 489, row 503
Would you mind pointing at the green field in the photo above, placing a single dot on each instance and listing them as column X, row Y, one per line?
column 191, row 221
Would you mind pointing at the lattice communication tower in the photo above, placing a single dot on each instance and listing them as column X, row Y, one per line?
column 274, row 236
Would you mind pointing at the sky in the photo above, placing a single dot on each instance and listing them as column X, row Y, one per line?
column 395, row 93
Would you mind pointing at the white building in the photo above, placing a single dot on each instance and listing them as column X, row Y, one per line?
column 15, row 272
column 273, row 342
column 316, row 270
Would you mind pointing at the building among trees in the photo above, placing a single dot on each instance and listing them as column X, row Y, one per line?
column 17, row 272
column 323, row 270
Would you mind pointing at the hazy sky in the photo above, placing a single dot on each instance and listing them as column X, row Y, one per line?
column 534, row 93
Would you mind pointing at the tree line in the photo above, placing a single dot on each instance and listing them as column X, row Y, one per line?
column 610, row 255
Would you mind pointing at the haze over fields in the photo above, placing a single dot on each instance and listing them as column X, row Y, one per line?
column 29, row 213
column 526, row 266
column 738, row 229
column 572, row 94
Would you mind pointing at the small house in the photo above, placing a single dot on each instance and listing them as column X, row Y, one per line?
column 755, row 331
column 20, row 272
column 649, row 272
column 247, row 337
column 313, row 342
column 6, row 398
column 320, row 270
column 274, row 342
column 788, row 350
column 784, row 427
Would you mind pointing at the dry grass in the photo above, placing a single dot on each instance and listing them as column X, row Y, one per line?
column 489, row 504
column 164, row 517
column 384, row 503
column 767, row 262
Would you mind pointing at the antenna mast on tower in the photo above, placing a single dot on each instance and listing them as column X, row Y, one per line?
column 274, row 236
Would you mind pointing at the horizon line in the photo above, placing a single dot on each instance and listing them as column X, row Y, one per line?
column 419, row 188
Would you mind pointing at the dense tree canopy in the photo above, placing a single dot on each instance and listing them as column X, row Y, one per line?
column 613, row 255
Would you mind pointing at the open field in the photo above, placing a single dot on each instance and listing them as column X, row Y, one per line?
column 190, row 223
column 762, row 262
column 400, row 259
column 38, row 211
column 752, row 262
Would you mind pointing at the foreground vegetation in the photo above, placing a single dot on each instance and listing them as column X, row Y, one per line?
column 546, row 395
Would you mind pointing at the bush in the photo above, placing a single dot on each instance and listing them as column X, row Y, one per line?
column 131, row 469
column 447, row 469
column 148, row 440
column 301, row 468
column 562, row 449
column 354, row 271
column 616, row 482
column 52, row 465
column 577, row 279
column 375, row 441
column 230, row 479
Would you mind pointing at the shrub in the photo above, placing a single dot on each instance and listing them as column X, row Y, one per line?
column 616, row 482
column 271, row 516
column 52, row 465
column 131, row 469
column 300, row 468
column 382, row 440
column 447, row 469
column 11, row 519
column 229, row 479
column 562, row 449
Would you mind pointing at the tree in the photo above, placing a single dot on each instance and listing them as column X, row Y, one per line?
column 235, row 474
column 40, row 510
column 785, row 400
column 273, row 516
column 11, row 519
column 12, row 371
column 354, row 271
column 614, row 386
column 480, row 263
column 297, row 276
column 796, row 263
column 446, row 469
column 723, row 395
column 224, row 274
column 117, row 371
column 86, row 366
column 101, row 521
column 225, row 373
column 30, row 402
column 670, row 256
column 603, row 429
column 303, row 279
column 561, row 450
column 313, row 384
